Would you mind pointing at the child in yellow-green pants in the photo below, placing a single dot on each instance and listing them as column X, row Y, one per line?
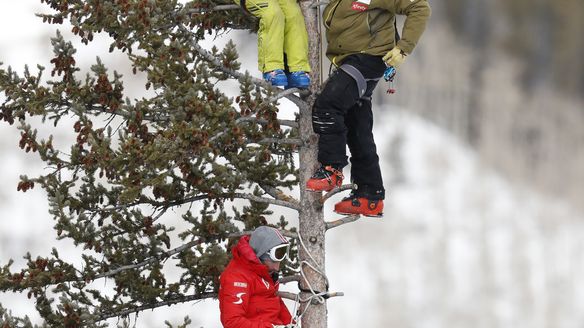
column 282, row 31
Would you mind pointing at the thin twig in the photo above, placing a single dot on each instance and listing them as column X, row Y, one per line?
column 340, row 222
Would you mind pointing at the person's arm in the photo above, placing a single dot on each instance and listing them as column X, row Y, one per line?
column 234, row 295
column 417, row 13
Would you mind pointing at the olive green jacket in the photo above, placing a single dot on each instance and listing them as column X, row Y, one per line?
column 367, row 26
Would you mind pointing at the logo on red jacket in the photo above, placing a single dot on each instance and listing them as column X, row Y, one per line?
column 239, row 298
column 360, row 5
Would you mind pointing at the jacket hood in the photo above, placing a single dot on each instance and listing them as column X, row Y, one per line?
column 245, row 256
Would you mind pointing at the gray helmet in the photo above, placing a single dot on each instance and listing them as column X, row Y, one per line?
column 265, row 238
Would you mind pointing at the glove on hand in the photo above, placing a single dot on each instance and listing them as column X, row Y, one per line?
column 394, row 57
column 275, row 276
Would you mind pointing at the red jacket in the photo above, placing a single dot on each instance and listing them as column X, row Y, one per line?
column 247, row 294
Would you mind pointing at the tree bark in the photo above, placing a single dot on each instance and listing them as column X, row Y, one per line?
column 312, row 227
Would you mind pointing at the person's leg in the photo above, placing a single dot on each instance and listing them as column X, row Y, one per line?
column 367, row 199
column 328, row 117
column 295, row 37
column 328, row 121
column 365, row 171
column 270, row 33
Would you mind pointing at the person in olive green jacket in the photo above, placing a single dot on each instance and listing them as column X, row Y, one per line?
column 362, row 43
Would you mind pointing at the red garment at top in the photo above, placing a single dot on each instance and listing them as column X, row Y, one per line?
column 247, row 295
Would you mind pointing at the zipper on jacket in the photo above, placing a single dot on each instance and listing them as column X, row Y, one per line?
column 331, row 14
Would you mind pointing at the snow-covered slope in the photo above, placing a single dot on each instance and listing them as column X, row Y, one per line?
column 458, row 246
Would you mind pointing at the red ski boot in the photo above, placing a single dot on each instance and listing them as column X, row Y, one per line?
column 326, row 178
column 353, row 205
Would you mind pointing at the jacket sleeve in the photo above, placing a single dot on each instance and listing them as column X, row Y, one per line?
column 234, row 294
column 284, row 313
column 417, row 13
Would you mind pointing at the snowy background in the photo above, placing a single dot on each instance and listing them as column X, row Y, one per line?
column 463, row 243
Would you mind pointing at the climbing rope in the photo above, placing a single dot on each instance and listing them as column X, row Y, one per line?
column 317, row 296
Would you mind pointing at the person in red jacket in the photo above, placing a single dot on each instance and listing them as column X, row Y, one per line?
column 248, row 287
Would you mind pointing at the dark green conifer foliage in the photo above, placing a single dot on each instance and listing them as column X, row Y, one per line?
column 134, row 163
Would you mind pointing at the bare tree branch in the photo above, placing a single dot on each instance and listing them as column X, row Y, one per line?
column 184, row 299
column 153, row 259
column 285, row 93
column 278, row 194
column 152, row 203
column 287, row 295
column 284, row 233
column 337, row 190
column 255, row 120
column 285, row 280
column 266, row 200
column 335, row 294
column 294, row 297
column 293, row 141
column 290, row 123
column 340, row 222
column 216, row 8
column 285, row 203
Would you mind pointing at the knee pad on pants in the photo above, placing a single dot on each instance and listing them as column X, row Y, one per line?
column 326, row 122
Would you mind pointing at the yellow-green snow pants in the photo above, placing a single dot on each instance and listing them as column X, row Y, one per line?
column 282, row 30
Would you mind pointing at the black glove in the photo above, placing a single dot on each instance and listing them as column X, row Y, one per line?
column 275, row 276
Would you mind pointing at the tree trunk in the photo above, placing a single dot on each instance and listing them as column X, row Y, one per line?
column 312, row 226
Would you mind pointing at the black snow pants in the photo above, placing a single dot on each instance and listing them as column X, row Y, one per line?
column 342, row 116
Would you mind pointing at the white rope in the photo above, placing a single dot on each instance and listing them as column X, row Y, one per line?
column 319, row 297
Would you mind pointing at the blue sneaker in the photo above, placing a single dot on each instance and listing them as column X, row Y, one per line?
column 277, row 77
column 299, row 80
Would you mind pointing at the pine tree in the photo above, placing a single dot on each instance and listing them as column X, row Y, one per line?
column 133, row 163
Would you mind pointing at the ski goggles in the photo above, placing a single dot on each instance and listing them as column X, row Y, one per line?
column 278, row 253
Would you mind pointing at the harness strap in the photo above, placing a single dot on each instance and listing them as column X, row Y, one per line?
column 358, row 77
